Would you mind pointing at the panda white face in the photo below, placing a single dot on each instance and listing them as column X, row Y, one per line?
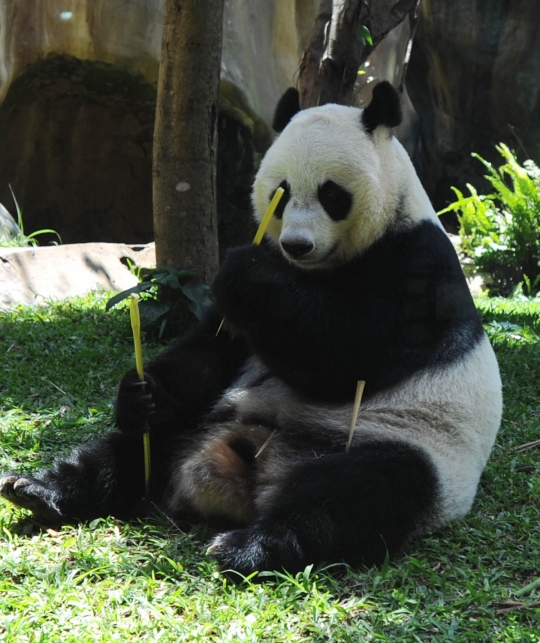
column 342, row 186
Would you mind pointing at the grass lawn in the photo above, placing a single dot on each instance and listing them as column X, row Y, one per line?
column 111, row 581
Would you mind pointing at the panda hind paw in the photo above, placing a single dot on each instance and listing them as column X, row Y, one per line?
column 29, row 493
column 242, row 552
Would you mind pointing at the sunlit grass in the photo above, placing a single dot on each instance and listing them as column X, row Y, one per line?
column 111, row 581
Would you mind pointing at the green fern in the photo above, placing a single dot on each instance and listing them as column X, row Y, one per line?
column 501, row 231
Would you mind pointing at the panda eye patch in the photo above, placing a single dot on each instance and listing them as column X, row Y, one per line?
column 335, row 200
column 283, row 201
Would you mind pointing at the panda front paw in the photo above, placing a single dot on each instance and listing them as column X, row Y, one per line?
column 135, row 407
column 30, row 493
column 242, row 552
column 236, row 275
column 247, row 279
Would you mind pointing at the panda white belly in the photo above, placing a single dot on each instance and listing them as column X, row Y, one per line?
column 451, row 414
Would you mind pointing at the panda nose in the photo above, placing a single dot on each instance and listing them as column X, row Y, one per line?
column 298, row 249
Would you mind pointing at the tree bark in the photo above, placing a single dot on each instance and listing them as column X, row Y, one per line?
column 185, row 137
column 339, row 46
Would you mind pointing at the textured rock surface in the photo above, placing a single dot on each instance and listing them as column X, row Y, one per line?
column 77, row 82
column 78, row 149
column 37, row 275
column 77, row 135
column 474, row 78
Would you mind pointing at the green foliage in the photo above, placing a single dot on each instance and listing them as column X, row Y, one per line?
column 474, row 581
column 363, row 35
column 501, row 231
column 22, row 240
column 166, row 295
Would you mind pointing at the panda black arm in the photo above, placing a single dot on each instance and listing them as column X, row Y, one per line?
column 402, row 306
column 302, row 325
column 308, row 327
column 182, row 382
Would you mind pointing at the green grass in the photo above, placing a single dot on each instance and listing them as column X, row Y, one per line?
column 111, row 581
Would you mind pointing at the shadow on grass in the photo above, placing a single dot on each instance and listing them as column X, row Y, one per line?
column 64, row 355
column 61, row 365
column 524, row 313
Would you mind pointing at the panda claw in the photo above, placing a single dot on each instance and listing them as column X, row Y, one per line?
column 28, row 493
column 213, row 548
column 243, row 552
column 15, row 489
column 12, row 486
column 6, row 485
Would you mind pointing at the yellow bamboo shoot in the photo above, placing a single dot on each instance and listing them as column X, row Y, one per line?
column 265, row 222
column 136, row 327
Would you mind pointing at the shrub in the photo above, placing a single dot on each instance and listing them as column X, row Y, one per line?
column 501, row 231
column 169, row 297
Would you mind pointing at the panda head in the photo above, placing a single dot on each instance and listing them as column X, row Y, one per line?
column 344, row 176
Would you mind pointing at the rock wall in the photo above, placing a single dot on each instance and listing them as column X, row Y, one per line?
column 78, row 149
column 77, row 94
column 126, row 33
column 77, row 97
column 474, row 80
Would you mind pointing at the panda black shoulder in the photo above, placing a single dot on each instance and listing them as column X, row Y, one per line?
column 427, row 263
column 424, row 243
column 419, row 268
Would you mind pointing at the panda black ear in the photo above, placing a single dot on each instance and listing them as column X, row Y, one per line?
column 288, row 105
column 384, row 108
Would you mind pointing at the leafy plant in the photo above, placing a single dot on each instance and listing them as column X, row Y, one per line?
column 21, row 239
column 166, row 296
column 363, row 35
column 501, row 231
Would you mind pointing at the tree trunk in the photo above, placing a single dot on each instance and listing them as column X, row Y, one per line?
column 185, row 137
column 344, row 35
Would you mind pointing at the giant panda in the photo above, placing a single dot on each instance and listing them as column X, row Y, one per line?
column 356, row 281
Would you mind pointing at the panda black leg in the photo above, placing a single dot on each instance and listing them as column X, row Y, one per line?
column 30, row 493
column 353, row 508
column 105, row 477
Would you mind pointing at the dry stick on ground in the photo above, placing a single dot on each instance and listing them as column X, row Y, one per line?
column 509, row 606
column 528, row 445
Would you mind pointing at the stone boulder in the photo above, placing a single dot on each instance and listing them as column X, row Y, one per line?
column 39, row 275
column 474, row 80
column 77, row 100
